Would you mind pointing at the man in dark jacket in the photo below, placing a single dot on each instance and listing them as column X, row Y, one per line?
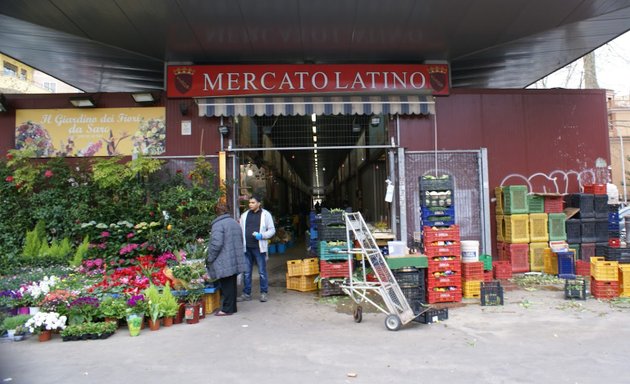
column 226, row 257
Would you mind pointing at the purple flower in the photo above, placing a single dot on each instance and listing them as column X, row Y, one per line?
column 135, row 300
column 93, row 301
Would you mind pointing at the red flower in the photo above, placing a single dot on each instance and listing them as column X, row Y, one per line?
column 9, row 179
column 48, row 174
column 179, row 171
column 9, row 156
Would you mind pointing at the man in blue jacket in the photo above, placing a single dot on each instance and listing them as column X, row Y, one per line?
column 258, row 228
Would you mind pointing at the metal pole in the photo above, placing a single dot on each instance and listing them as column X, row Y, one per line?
column 623, row 166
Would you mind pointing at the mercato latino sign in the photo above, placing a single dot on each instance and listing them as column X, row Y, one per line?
column 259, row 80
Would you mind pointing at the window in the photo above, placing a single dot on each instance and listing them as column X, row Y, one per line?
column 9, row 69
column 23, row 74
column 50, row 86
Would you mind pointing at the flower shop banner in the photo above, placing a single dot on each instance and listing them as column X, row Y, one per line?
column 93, row 132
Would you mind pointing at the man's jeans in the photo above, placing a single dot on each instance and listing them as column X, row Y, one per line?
column 253, row 255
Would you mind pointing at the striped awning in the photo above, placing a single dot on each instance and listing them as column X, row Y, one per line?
column 320, row 105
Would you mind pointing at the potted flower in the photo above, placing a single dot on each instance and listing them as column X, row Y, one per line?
column 11, row 323
column 154, row 306
column 113, row 308
column 88, row 331
column 136, row 307
column 82, row 310
column 43, row 323
column 193, row 306
column 170, row 305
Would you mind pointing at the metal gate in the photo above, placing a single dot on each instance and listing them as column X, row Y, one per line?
column 469, row 172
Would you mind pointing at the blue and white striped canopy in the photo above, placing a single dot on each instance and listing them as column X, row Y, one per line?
column 320, row 105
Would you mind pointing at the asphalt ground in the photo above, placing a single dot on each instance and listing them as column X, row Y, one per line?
column 295, row 337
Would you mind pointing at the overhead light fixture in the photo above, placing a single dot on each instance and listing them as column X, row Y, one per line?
column 3, row 104
column 143, row 97
column 315, row 139
column 82, row 101
column 314, row 129
column 313, row 117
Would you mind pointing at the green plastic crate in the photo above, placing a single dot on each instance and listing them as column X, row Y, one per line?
column 515, row 199
column 487, row 261
column 536, row 204
column 557, row 228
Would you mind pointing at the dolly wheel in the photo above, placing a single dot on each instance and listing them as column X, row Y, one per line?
column 393, row 323
column 358, row 314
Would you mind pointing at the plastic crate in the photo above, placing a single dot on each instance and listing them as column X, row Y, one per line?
column 488, row 276
column 576, row 249
column 502, row 269
column 444, row 265
column 583, row 201
column 211, row 301
column 500, row 227
column 614, row 242
column 603, row 270
column 587, row 250
column 414, row 294
column 582, row 268
column 601, row 230
column 516, row 228
column 431, row 183
column 566, row 263
column 538, row 227
column 429, row 315
column 449, row 296
column 536, row 203
column 604, row 289
column 334, row 268
column 436, row 198
column 302, row 283
column 439, row 221
column 498, row 194
column 440, row 234
column 573, row 229
column 331, row 233
column 537, row 256
column 302, row 267
column 600, row 206
column 613, row 218
column 551, row 262
column 557, row 226
column 487, row 261
column 620, row 255
column 471, row 289
column 442, row 250
column 409, row 277
column 515, row 199
column 624, row 280
column 491, row 293
column 328, row 287
column 596, row 189
column 601, row 249
column 518, row 255
column 332, row 250
column 472, row 271
column 554, row 204
column 575, row 289
column 328, row 217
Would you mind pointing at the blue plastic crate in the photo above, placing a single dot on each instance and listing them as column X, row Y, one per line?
column 566, row 263
column 438, row 223
column 437, row 211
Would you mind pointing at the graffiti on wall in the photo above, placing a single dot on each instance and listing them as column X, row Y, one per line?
column 559, row 181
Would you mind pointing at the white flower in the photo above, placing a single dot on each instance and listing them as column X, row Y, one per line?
column 46, row 320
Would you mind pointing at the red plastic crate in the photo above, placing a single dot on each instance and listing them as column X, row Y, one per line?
column 518, row 255
column 554, row 204
column 596, row 189
column 488, row 276
column 502, row 269
column 444, row 297
column 444, row 265
column 472, row 271
column 444, row 281
column 443, row 234
column 334, row 268
column 614, row 242
column 604, row 289
column 582, row 268
column 443, row 250
column 501, row 251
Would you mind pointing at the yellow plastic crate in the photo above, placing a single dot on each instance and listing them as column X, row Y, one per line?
column 538, row 230
column 471, row 289
column 516, row 228
column 498, row 193
column 305, row 283
column 211, row 301
column 550, row 259
column 624, row 280
column 303, row 267
column 500, row 228
column 537, row 257
column 602, row 270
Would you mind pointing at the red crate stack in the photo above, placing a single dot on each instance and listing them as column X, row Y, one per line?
column 604, row 289
column 472, row 271
column 582, row 268
column 518, row 255
column 502, row 269
column 334, row 268
column 443, row 250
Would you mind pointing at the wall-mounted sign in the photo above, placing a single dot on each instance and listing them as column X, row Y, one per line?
column 91, row 132
column 303, row 79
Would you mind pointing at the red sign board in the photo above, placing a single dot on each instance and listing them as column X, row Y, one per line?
column 306, row 79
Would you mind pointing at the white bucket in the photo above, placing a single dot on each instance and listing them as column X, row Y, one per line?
column 470, row 251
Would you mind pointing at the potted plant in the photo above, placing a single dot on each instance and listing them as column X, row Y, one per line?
column 170, row 305
column 113, row 308
column 136, row 308
column 88, row 331
column 82, row 310
column 154, row 306
column 193, row 306
column 10, row 324
column 43, row 323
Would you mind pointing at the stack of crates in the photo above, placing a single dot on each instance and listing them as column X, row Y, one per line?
column 437, row 199
column 412, row 283
column 302, row 274
column 624, row 280
column 444, row 273
column 472, row 277
column 487, row 266
column 332, row 278
column 331, row 233
column 604, row 278
column 513, row 225
column 588, row 231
